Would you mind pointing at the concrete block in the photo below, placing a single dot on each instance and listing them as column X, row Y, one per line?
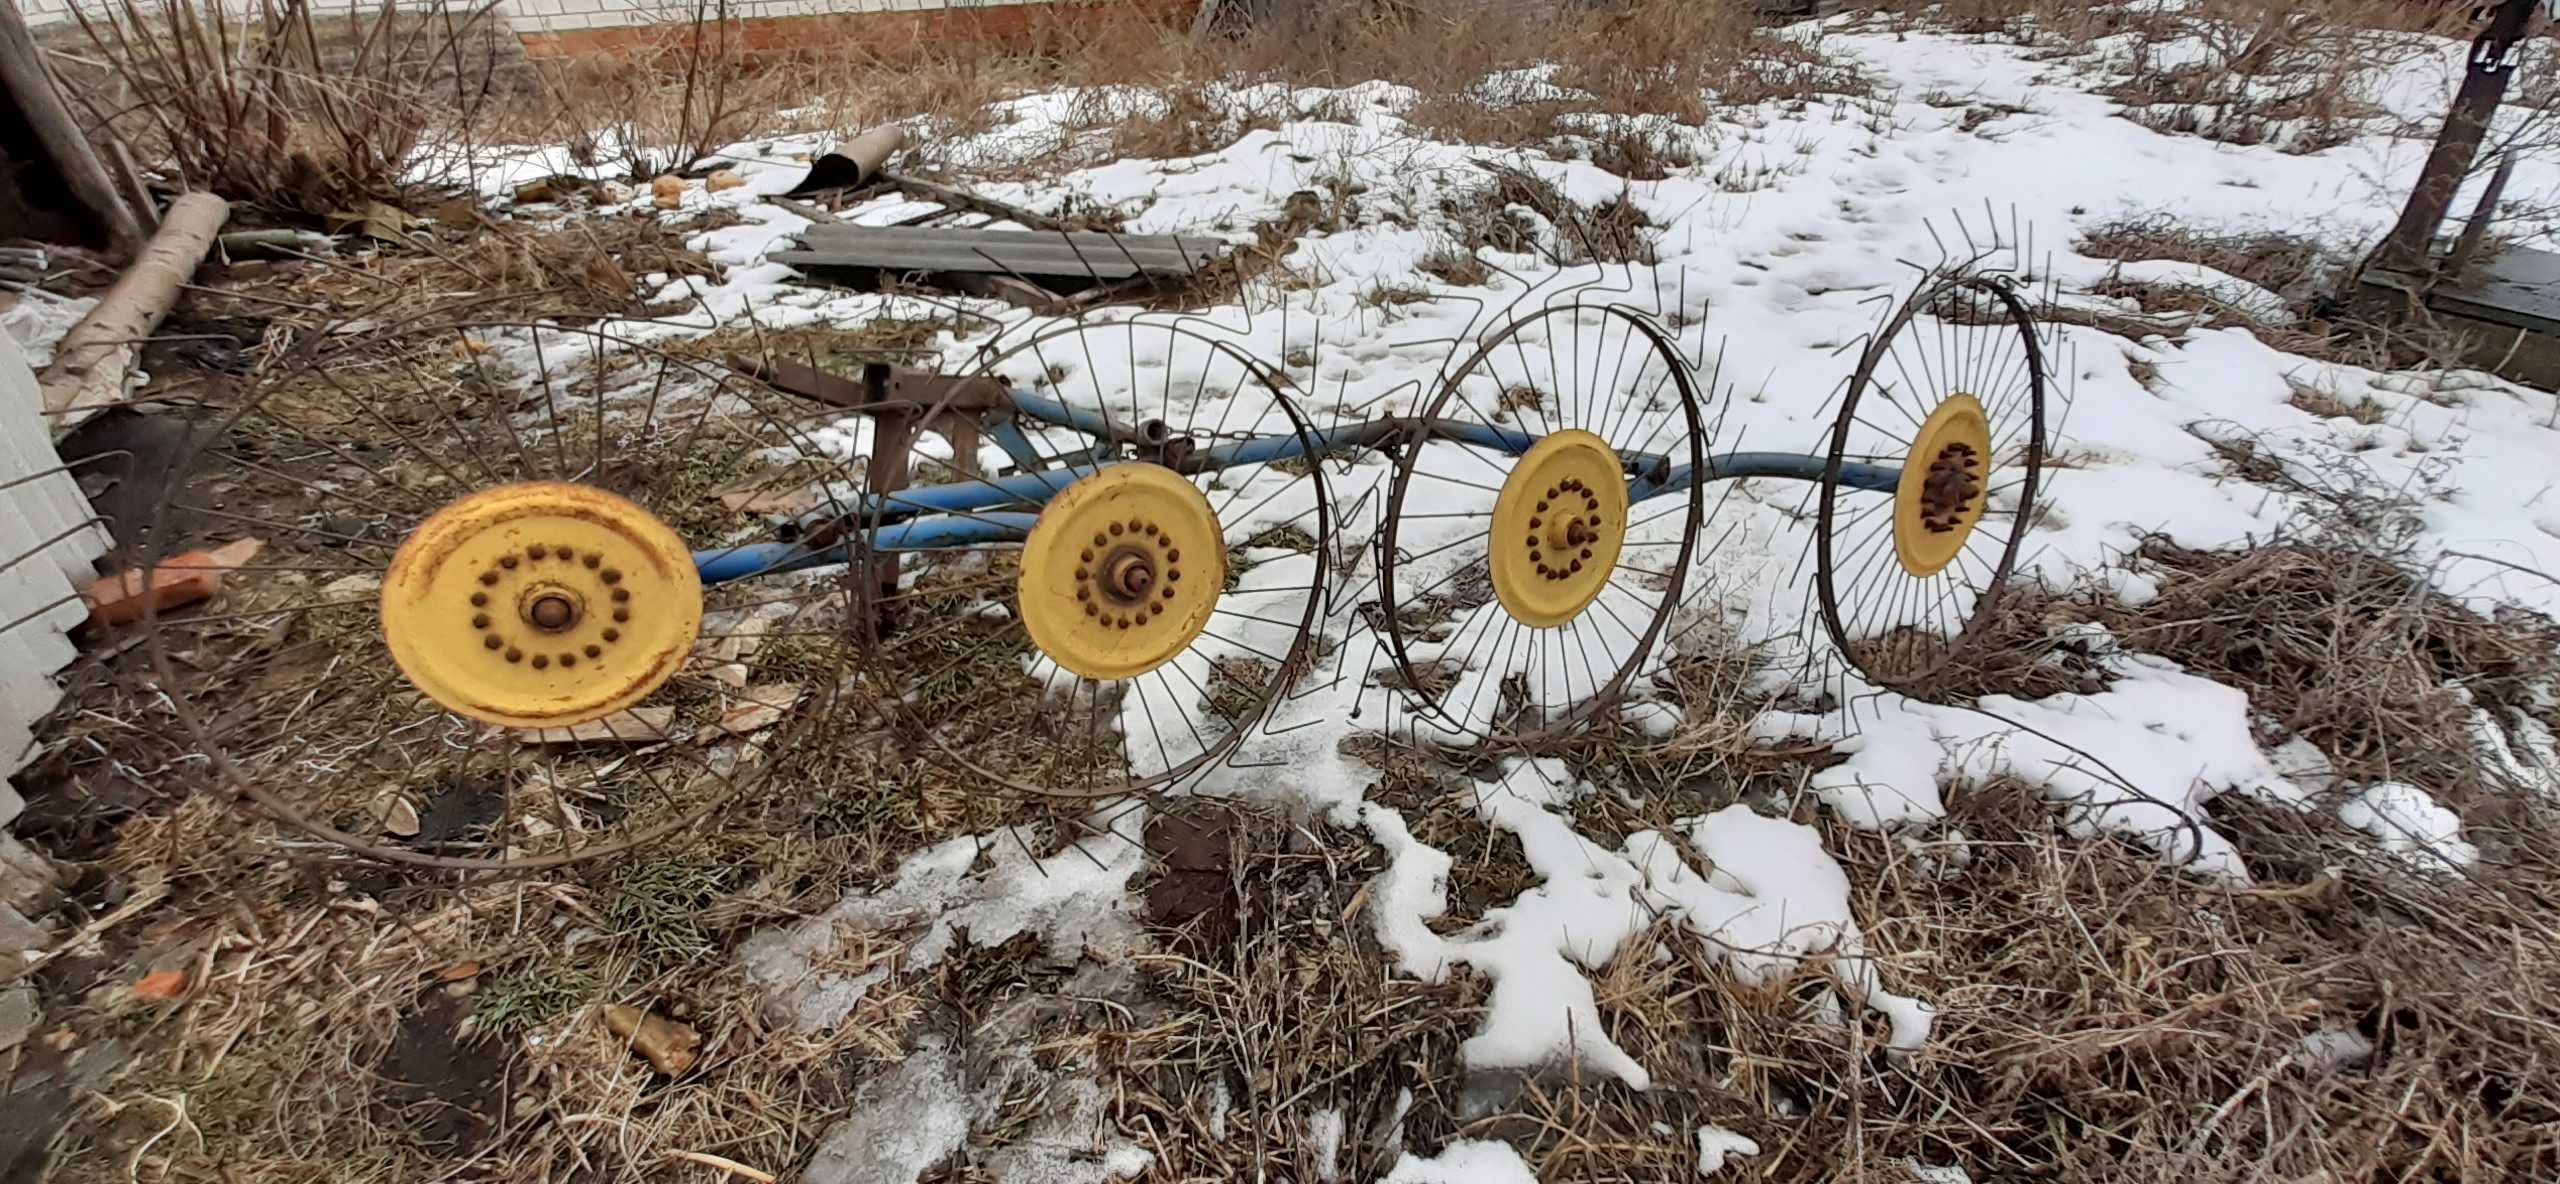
column 18, row 934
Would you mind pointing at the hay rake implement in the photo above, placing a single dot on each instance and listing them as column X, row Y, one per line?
column 1087, row 568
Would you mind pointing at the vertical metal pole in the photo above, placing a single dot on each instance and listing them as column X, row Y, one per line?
column 2481, row 216
column 2493, row 57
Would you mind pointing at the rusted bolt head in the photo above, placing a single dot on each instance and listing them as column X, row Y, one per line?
column 551, row 612
column 1129, row 575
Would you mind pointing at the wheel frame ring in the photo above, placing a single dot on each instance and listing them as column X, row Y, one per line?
column 1408, row 451
column 1274, row 386
column 2019, row 318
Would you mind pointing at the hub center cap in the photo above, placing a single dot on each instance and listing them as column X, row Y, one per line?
column 1556, row 528
column 1127, row 575
column 1122, row 571
column 551, row 612
column 1942, row 494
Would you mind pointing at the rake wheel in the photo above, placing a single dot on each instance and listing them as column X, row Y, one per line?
column 1162, row 599
column 475, row 639
column 1952, row 389
column 1522, row 593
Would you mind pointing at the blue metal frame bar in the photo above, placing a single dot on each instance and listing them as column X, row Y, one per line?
column 1002, row 509
column 941, row 532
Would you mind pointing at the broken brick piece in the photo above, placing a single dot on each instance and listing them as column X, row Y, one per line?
column 176, row 582
column 161, row 985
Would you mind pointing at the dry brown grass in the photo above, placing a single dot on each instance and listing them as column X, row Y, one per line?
column 2286, row 264
column 2100, row 1016
column 689, row 91
column 2293, row 73
column 297, row 114
column 2302, row 271
column 2285, row 622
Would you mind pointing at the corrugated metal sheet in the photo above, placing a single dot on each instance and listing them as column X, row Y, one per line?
column 998, row 252
column 49, row 540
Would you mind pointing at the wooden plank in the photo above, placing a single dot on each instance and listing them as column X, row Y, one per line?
column 1072, row 258
column 2519, row 287
column 953, row 260
column 1091, row 242
column 967, row 261
column 1029, row 260
column 1084, row 239
column 23, row 77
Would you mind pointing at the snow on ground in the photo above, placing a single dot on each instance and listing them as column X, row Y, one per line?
column 1777, row 249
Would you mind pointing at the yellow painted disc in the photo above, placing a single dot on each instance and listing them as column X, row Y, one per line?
column 544, row 604
column 1944, row 486
column 1557, row 527
column 1122, row 571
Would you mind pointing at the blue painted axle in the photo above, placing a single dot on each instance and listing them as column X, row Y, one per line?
column 983, row 510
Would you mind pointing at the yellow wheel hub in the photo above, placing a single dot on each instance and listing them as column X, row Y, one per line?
column 1122, row 571
column 1940, row 499
column 540, row 605
column 1557, row 527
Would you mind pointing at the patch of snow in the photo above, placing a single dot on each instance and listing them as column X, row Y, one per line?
column 1076, row 898
column 2337, row 1048
column 1771, row 898
column 1068, row 1144
column 1715, row 1144
column 1466, row 1161
column 901, row 1124
column 2408, row 824
column 1324, row 1130
column 2138, row 759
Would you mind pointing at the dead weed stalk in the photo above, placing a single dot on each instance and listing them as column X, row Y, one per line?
column 285, row 109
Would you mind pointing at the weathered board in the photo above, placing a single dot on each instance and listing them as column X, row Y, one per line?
column 1057, row 254
column 2519, row 287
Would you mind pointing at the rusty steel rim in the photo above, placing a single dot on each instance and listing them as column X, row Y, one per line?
column 1952, row 388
